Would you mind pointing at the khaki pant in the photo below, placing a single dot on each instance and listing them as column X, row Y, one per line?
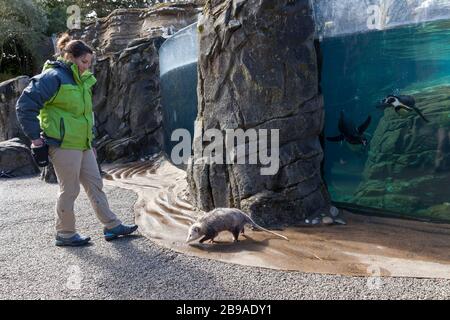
column 71, row 168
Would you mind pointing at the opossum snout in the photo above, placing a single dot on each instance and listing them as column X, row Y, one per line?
column 189, row 239
column 193, row 233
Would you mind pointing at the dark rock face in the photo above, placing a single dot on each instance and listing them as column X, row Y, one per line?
column 127, row 104
column 15, row 155
column 408, row 168
column 127, row 95
column 258, row 70
column 10, row 91
column 16, row 159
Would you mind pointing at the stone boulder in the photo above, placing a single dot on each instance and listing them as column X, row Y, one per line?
column 16, row 159
column 10, row 91
column 258, row 70
column 127, row 95
column 408, row 168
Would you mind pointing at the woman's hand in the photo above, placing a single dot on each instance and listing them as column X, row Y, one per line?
column 37, row 143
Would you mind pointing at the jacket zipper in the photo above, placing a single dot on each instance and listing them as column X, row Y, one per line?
column 84, row 113
column 62, row 129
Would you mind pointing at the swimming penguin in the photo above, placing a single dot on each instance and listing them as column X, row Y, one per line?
column 349, row 132
column 402, row 103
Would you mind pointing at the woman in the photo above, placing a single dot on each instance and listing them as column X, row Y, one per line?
column 56, row 109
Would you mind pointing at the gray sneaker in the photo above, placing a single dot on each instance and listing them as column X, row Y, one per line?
column 74, row 241
column 120, row 230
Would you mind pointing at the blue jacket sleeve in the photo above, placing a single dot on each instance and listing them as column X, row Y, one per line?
column 40, row 90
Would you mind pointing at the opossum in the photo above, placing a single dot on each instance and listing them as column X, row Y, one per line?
column 222, row 219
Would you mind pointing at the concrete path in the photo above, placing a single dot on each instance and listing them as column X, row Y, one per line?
column 31, row 267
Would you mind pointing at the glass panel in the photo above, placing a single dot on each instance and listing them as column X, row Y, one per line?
column 405, row 166
column 178, row 69
column 338, row 17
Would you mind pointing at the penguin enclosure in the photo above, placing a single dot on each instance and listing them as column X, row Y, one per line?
column 400, row 78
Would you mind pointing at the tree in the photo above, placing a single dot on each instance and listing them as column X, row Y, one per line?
column 22, row 27
column 56, row 12
column 25, row 24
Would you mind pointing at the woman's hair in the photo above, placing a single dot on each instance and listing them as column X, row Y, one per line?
column 76, row 48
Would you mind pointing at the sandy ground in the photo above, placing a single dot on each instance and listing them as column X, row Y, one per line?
column 31, row 267
column 367, row 245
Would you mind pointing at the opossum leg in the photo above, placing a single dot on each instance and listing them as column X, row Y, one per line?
column 236, row 234
column 243, row 230
column 206, row 238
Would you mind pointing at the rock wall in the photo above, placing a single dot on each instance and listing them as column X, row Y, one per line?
column 15, row 154
column 258, row 69
column 127, row 105
column 10, row 91
column 127, row 96
column 16, row 159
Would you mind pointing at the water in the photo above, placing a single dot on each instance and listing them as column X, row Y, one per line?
column 179, row 101
column 405, row 169
column 179, row 50
column 178, row 71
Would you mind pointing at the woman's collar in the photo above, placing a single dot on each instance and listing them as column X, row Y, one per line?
column 68, row 62
column 86, row 74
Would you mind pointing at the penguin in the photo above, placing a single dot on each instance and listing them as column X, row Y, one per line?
column 402, row 103
column 349, row 132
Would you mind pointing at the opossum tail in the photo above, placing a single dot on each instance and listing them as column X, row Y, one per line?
column 257, row 226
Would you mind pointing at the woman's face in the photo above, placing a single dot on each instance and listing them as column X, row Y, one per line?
column 83, row 62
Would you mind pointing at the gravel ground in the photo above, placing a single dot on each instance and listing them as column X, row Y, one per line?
column 31, row 267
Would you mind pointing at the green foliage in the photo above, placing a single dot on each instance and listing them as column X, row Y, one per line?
column 22, row 27
column 6, row 76
column 24, row 24
column 22, row 19
column 56, row 15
